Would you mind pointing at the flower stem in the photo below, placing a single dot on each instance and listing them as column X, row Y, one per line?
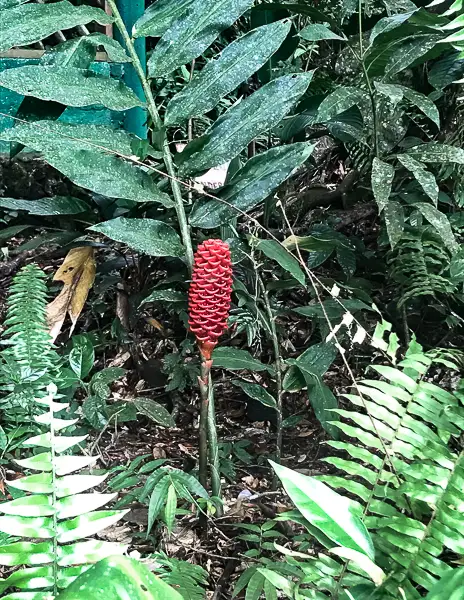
column 157, row 122
column 203, row 428
column 213, row 446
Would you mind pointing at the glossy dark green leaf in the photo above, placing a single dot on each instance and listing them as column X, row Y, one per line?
column 425, row 179
column 252, row 184
column 29, row 23
column 165, row 296
column 88, row 156
column 236, row 360
column 314, row 361
column 439, row 220
column 423, row 103
column 157, row 499
column 408, row 52
column 159, row 16
column 58, row 205
column 193, row 32
column 381, row 181
column 151, row 237
column 322, row 400
column 341, row 99
column 317, row 32
column 394, row 221
column 242, row 123
column 257, row 392
column 283, row 257
column 154, row 411
column 221, row 75
column 70, row 86
column 94, row 410
column 387, row 24
column 327, row 510
column 82, row 356
column 446, row 70
column 434, row 152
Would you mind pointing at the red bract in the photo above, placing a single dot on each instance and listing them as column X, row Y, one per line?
column 209, row 295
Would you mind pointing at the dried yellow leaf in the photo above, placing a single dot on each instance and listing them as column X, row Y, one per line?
column 78, row 274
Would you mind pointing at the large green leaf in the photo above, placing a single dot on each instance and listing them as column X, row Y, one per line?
column 434, row 152
column 159, row 16
column 256, row 391
column 322, row 400
column 88, row 156
column 450, row 586
column 283, row 257
column 193, row 32
column 118, row 577
column 144, row 235
column 341, row 99
column 381, row 181
column 425, row 179
column 236, row 360
column 387, row 24
column 29, row 23
column 252, row 184
column 394, row 220
column 423, row 103
column 439, row 220
column 58, row 205
column 243, row 122
column 70, row 86
column 221, row 75
column 154, row 411
column 314, row 361
column 408, row 51
column 317, row 32
column 326, row 510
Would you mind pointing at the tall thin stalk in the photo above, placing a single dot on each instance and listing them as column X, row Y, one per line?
column 278, row 368
column 157, row 122
column 213, row 447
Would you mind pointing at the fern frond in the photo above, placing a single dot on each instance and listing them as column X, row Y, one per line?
column 55, row 513
column 404, row 472
column 419, row 264
column 28, row 362
column 26, row 325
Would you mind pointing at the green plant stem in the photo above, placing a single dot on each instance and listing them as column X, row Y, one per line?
column 154, row 114
column 203, row 428
column 375, row 123
column 278, row 368
column 213, row 448
column 54, row 498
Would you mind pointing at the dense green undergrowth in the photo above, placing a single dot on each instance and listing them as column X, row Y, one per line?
column 323, row 143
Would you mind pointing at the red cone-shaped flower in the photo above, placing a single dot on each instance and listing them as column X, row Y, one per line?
column 209, row 295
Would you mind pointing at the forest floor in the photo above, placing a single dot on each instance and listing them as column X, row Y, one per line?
column 246, row 428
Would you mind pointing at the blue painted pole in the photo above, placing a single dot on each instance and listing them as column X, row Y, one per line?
column 136, row 118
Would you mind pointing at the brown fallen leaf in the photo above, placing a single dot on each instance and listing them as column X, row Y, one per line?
column 78, row 274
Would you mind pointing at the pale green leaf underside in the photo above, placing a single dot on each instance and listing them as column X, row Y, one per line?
column 89, row 156
column 70, row 86
column 144, row 235
column 31, row 23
